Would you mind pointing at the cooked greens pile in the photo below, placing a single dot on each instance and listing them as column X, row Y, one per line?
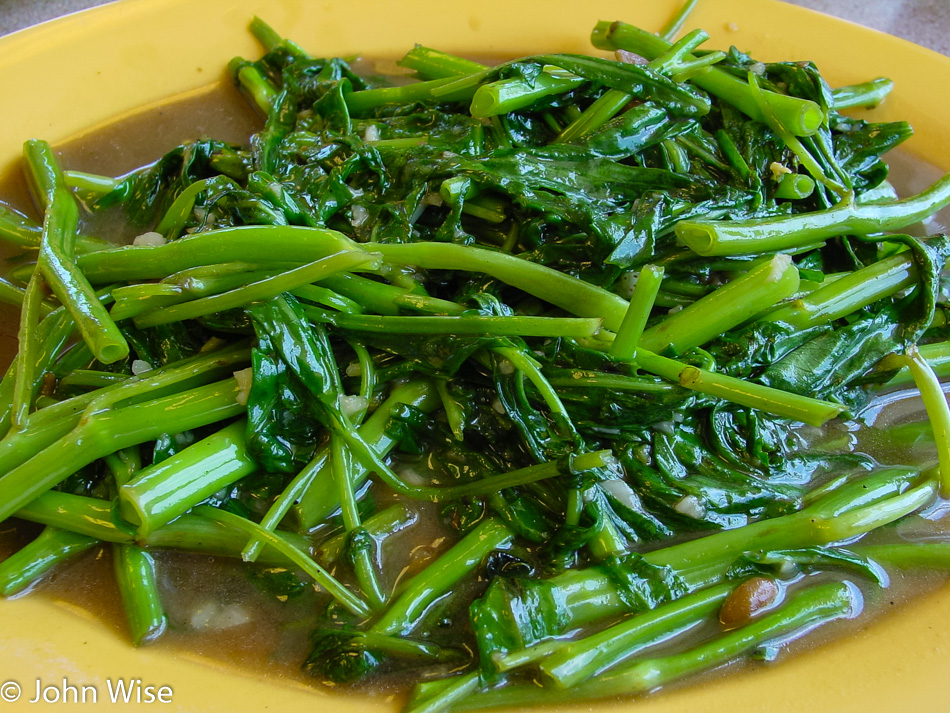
column 580, row 320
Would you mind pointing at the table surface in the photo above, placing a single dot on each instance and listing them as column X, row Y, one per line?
column 926, row 22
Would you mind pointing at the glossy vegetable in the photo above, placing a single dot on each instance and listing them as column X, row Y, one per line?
column 572, row 311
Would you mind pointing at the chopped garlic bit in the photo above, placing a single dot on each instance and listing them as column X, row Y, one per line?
column 630, row 57
column 412, row 477
column 244, row 379
column 352, row 404
column 354, row 369
column 778, row 170
column 690, row 506
column 359, row 215
column 371, row 133
column 140, row 367
column 623, row 493
column 627, row 284
column 212, row 615
column 212, row 344
column 151, row 239
column 505, row 367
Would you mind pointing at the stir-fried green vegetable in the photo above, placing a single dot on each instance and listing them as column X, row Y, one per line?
column 581, row 320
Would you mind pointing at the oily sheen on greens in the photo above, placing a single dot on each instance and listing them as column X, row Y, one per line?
column 584, row 318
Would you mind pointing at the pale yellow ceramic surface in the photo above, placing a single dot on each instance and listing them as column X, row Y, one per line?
column 63, row 78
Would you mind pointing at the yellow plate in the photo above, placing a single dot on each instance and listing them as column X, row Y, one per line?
column 67, row 76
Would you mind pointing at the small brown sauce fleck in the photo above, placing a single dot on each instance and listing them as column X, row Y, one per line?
column 749, row 597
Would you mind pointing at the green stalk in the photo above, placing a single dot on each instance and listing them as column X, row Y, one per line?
column 372, row 296
column 292, row 495
column 44, row 427
column 56, row 259
column 908, row 555
column 604, row 108
column 254, row 84
column 562, row 290
column 135, row 573
column 745, row 393
column 165, row 490
column 271, row 41
column 580, row 660
column 261, row 290
column 361, row 543
column 675, row 23
column 641, row 305
column 92, row 184
column 583, row 378
column 514, row 325
column 13, row 295
column 17, row 229
column 133, row 566
column 350, row 601
column 507, row 95
column 440, row 576
column 387, row 522
column 452, row 90
column 795, row 186
column 261, row 244
column 800, row 116
column 531, row 368
column 102, row 432
column 53, row 333
column 77, row 514
column 426, row 304
column 368, row 379
column 27, row 565
column 725, row 308
column 328, row 298
column 866, row 95
column 88, row 378
column 490, row 483
column 193, row 533
column 452, row 693
column 433, row 64
column 788, row 137
column 95, row 518
column 132, row 300
column 124, row 464
column 763, row 235
column 709, row 557
column 802, row 611
column 849, row 293
column 453, row 410
column 938, row 411
column 319, row 498
column 937, row 355
column 173, row 222
column 24, row 386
